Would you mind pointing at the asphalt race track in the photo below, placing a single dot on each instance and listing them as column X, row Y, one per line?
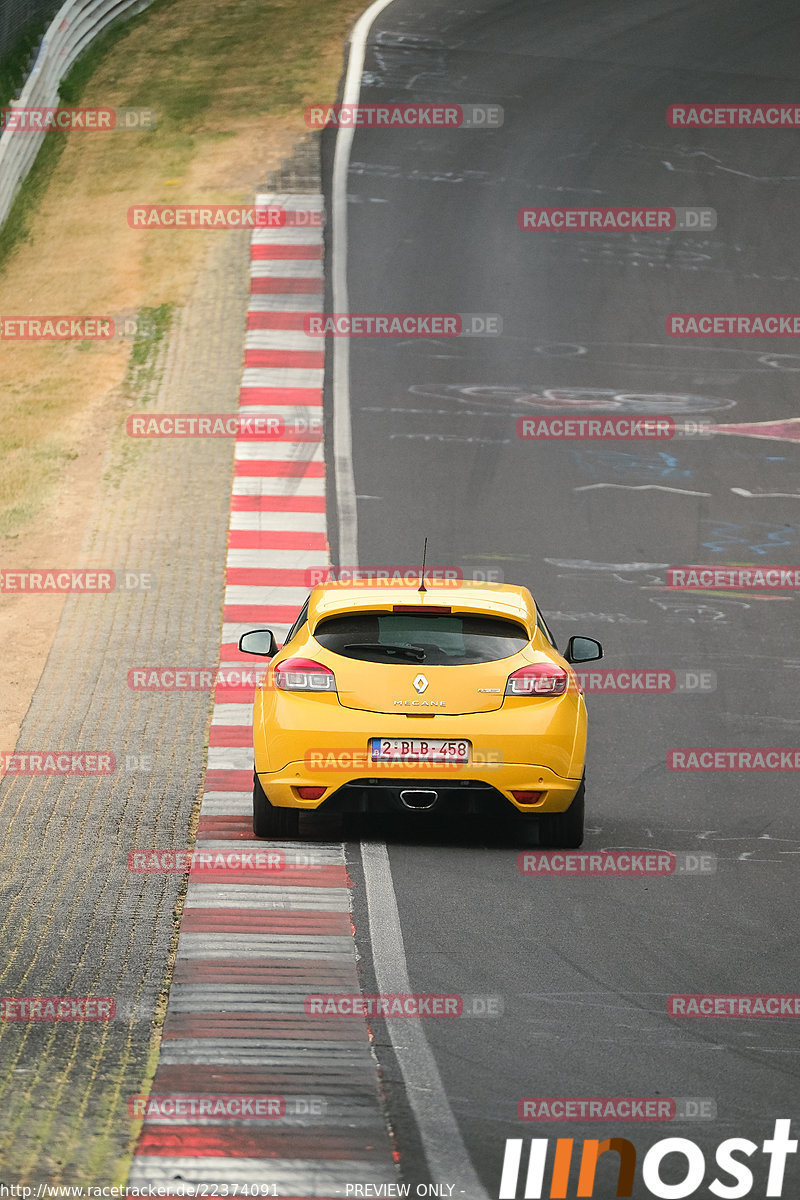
column 577, row 985
column 584, row 965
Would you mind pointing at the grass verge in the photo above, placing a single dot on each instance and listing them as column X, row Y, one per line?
column 229, row 83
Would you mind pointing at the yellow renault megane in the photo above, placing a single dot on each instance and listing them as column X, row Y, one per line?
column 450, row 699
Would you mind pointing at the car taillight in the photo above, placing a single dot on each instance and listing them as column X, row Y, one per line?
column 304, row 675
column 538, row 679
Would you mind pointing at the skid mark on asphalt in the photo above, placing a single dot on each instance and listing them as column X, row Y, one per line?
column 254, row 942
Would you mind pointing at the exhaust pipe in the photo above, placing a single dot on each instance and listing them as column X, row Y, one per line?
column 418, row 798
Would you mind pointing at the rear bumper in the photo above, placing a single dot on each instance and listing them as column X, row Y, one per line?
column 458, row 790
column 300, row 741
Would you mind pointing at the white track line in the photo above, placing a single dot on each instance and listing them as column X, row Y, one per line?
column 283, row 339
column 280, row 559
column 265, row 485
column 640, row 487
column 290, row 1177
column 765, row 495
column 277, row 451
column 261, row 596
column 445, row 1152
column 285, row 302
column 342, row 428
column 284, row 268
column 302, row 522
column 283, row 377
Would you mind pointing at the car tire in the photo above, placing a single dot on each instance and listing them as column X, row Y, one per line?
column 564, row 831
column 269, row 822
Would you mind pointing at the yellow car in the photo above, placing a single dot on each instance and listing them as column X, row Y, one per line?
column 450, row 698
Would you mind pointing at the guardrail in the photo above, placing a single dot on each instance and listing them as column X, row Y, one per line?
column 76, row 24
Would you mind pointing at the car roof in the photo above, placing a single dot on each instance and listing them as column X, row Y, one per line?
column 462, row 595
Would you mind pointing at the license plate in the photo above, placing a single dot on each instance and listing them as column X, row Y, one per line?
column 437, row 750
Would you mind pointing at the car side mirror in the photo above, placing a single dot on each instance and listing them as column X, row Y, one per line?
column 259, row 641
column 582, row 649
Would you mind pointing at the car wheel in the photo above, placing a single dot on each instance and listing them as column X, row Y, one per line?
column 564, row 830
column 269, row 822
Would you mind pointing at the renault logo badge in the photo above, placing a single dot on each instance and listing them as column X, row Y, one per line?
column 420, row 683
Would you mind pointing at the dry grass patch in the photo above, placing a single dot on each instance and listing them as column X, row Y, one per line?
column 229, row 82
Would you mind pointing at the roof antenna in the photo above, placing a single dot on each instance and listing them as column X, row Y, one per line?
column 422, row 587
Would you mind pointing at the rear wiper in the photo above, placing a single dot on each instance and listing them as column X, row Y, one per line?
column 393, row 651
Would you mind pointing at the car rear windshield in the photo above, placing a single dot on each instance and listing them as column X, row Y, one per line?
column 454, row 640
